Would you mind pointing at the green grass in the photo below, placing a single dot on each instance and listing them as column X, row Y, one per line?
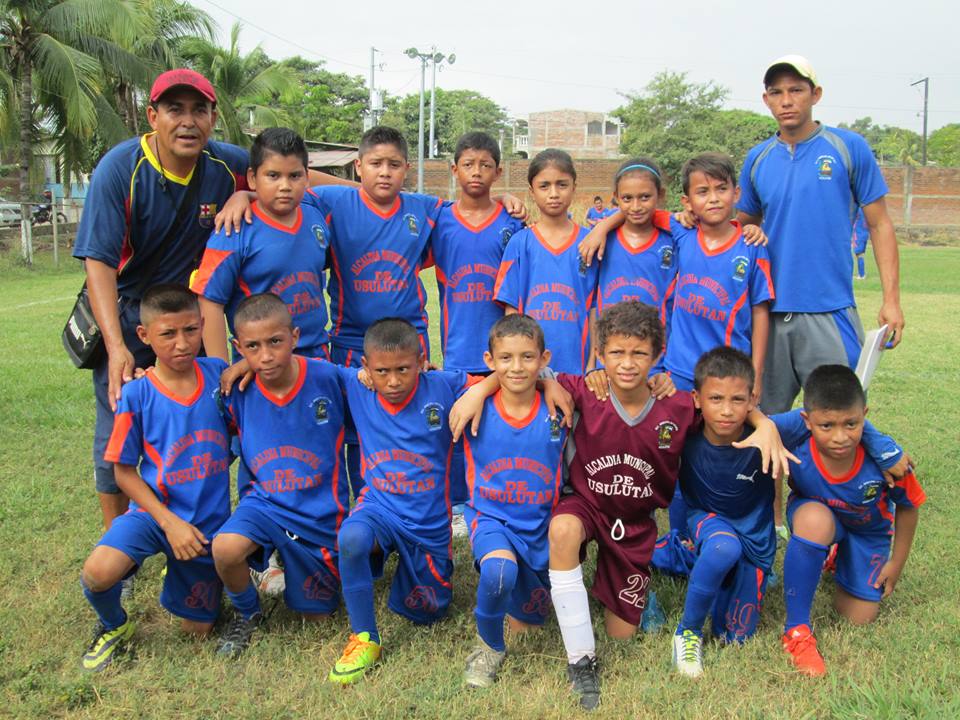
column 902, row 666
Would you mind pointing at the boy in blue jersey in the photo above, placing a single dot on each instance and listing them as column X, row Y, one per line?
column 840, row 495
column 729, row 500
column 169, row 424
column 596, row 212
column 861, row 234
column 514, row 465
column 467, row 244
column 405, row 505
column 290, row 424
column 283, row 251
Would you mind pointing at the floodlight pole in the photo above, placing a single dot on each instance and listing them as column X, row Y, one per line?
column 414, row 54
column 436, row 58
column 926, row 95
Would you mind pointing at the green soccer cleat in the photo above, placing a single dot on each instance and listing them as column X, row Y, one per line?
column 105, row 646
column 360, row 654
column 688, row 653
column 482, row 665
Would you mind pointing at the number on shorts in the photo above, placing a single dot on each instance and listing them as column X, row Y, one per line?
column 635, row 593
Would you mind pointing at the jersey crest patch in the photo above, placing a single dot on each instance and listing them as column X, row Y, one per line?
column 665, row 431
column 505, row 235
column 321, row 410
column 207, row 212
column 411, row 221
column 740, row 265
column 825, row 165
column 554, row 429
column 870, row 492
column 433, row 413
column 666, row 257
column 317, row 231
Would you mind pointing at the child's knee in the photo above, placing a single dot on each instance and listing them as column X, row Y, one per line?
column 853, row 609
column 566, row 534
column 498, row 577
column 355, row 539
column 195, row 627
column 97, row 575
column 814, row 521
column 725, row 550
column 229, row 549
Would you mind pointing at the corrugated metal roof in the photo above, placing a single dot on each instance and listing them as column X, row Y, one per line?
column 332, row 158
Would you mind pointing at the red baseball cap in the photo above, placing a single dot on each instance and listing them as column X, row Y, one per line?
column 182, row 77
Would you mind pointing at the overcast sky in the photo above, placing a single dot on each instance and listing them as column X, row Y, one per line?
column 530, row 56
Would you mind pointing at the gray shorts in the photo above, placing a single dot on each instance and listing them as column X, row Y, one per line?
column 801, row 342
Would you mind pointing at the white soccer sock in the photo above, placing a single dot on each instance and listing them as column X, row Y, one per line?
column 573, row 613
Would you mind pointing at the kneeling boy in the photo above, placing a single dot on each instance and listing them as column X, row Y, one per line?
column 839, row 495
column 290, row 423
column 169, row 424
column 513, row 476
column 405, row 504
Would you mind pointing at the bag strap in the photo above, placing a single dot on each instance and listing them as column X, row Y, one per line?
column 183, row 210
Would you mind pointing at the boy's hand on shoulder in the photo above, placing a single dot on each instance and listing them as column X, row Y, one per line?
column 234, row 213
column 685, row 218
column 186, row 541
column 514, row 207
column 754, row 235
column 598, row 383
column 888, row 577
column 363, row 375
column 757, row 390
column 241, row 371
column 141, row 372
column 467, row 410
column 904, row 466
column 774, row 456
column 559, row 401
column 661, row 386
column 120, row 370
column 592, row 245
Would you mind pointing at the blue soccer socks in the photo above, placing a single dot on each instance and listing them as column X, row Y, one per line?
column 107, row 605
column 802, row 565
column 718, row 554
column 246, row 602
column 356, row 543
column 498, row 577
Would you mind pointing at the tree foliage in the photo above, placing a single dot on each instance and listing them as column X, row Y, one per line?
column 674, row 119
column 891, row 145
column 457, row 112
column 329, row 106
column 943, row 145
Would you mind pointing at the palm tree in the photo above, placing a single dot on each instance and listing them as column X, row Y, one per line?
column 51, row 54
column 245, row 84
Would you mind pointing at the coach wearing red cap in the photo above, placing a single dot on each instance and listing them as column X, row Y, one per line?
column 134, row 234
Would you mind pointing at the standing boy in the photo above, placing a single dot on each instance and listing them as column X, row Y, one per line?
column 169, row 424
column 596, row 213
column 840, row 495
column 514, row 476
column 290, row 424
column 405, row 505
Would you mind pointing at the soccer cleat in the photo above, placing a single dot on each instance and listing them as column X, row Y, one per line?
column 802, row 646
column 830, row 564
column 360, row 654
column 271, row 582
column 688, row 653
column 105, row 646
column 127, row 588
column 783, row 535
column 653, row 618
column 482, row 665
column 458, row 526
column 236, row 638
column 584, row 677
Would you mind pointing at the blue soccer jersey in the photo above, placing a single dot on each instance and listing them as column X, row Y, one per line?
column 860, row 499
column 714, row 298
column 646, row 273
column 180, row 443
column 514, row 473
column 375, row 260
column 725, row 481
column 594, row 216
column 292, row 447
column 405, row 452
column 861, row 233
column 555, row 288
column 808, row 194
column 266, row 256
column 131, row 205
column 467, row 258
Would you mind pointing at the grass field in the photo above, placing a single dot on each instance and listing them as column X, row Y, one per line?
column 903, row 666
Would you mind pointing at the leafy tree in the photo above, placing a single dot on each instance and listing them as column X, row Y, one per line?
column 674, row 119
column 248, row 87
column 51, row 58
column 892, row 145
column 943, row 145
column 329, row 106
column 457, row 112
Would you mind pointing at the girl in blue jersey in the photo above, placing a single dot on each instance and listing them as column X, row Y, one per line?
column 541, row 274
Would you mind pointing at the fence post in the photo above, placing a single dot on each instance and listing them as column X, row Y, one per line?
column 907, row 195
column 53, row 220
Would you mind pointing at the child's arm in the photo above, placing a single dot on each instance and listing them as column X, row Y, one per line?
column 766, row 438
column 592, row 358
column 904, row 530
column 596, row 240
column 186, row 541
column 758, row 345
column 214, row 330
column 469, row 408
column 241, row 371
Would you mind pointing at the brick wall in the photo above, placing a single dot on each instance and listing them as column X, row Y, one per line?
column 918, row 196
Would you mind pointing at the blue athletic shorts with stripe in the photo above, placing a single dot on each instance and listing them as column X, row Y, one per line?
column 191, row 588
column 736, row 610
column 421, row 590
column 530, row 601
column 311, row 574
column 860, row 556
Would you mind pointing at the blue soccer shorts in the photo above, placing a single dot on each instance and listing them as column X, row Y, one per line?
column 421, row 590
column 860, row 556
column 530, row 601
column 191, row 589
column 310, row 570
column 736, row 611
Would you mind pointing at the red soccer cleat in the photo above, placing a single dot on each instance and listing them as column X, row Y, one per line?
column 802, row 646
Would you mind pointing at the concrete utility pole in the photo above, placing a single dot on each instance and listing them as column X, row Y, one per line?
column 415, row 54
column 373, row 113
column 926, row 97
column 436, row 59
